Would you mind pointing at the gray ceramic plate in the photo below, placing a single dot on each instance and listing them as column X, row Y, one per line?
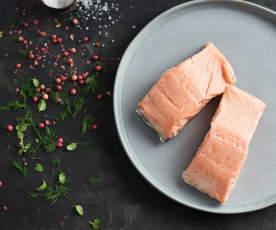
column 246, row 34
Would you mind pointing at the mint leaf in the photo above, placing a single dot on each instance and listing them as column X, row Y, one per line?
column 42, row 187
column 95, row 223
column 71, row 146
column 35, row 82
column 62, row 178
column 41, row 105
column 79, row 209
column 38, row 167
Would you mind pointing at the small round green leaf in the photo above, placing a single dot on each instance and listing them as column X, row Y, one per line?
column 62, row 177
column 38, row 167
column 71, row 146
column 79, row 209
column 35, row 82
column 42, row 187
column 41, row 105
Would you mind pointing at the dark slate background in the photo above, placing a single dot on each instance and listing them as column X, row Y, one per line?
column 123, row 200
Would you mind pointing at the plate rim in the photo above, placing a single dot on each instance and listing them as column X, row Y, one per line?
column 116, row 107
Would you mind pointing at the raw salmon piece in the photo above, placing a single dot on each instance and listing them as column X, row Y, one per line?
column 217, row 164
column 187, row 87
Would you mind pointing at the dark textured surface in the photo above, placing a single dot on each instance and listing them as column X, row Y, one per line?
column 123, row 199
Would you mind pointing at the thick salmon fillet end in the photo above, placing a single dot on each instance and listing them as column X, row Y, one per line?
column 217, row 164
column 184, row 90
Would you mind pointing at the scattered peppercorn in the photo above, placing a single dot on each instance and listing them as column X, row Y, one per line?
column 58, row 80
column 59, row 87
column 85, row 39
column 60, row 140
column 59, row 145
column 98, row 68
column 41, row 125
column 35, row 99
column 59, row 40
column 26, row 24
column 69, row 60
column 74, row 77
column 9, row 128
column 73, row 91
column 95, row 57
column 45, row 96
column 73, row 50
column 94, row 127
column 75, row 21
column 99, row 96
column 18, row 66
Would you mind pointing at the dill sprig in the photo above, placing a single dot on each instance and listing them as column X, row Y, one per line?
column 53, row 194
column 21, row 168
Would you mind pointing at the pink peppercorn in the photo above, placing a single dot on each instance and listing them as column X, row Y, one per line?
column 59, row 99
column 20, row 38
column 99, row 96
column 38, row 90
column 59, row 145
column 25, row 163
column 26, row 24
column 35, row 99
column 73, row 91
column 48, row 90
column 73, row 50
column 1, row 183
column 18, row 66
column 60, row 140
column 45, row 96
column 95, row 57
column 63, row 78
column 54, row 41
column 59, row 40
column 17, row 90
column 42, row 49
column 5, row 208
column 85, row 39
column 66, row 53
column 82, row 82
column 69, row 60
column 74, row 77
column 58, row 80
column 53, row 36
column 80, row 77
column 59, row 87
column 9, row 128
column 108, row 93
column 75, row 84
column 36, row 22
column 98, row 68
column 75, row 21
column 94, row 127
column 41, row 125
column 47, row 122
column 42, row 87
column 31, row 56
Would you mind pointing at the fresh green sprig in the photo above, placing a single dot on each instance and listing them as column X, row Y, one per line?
column 87, row 122
column 21, row 168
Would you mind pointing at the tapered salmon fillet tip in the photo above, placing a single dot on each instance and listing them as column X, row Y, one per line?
column 217, row 164
column 184, row 90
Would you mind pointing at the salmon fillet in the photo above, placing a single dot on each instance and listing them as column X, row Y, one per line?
column 217, row 164
column 184, row 90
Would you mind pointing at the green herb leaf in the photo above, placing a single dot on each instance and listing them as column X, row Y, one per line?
column 41, row 105
column 95, row 223
column 56, row 21
column 38, row 167
column 32, row 195
column 21, row 168
column 62, row 178
column 35, row 82
column 79, row 209
column 87, row 122
column 21, row 127
column 94, row 180
column 20, row 135
column 71, row 146
column 14, row 105
column 1, row 34
column 53, row 194
column 42, row 187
